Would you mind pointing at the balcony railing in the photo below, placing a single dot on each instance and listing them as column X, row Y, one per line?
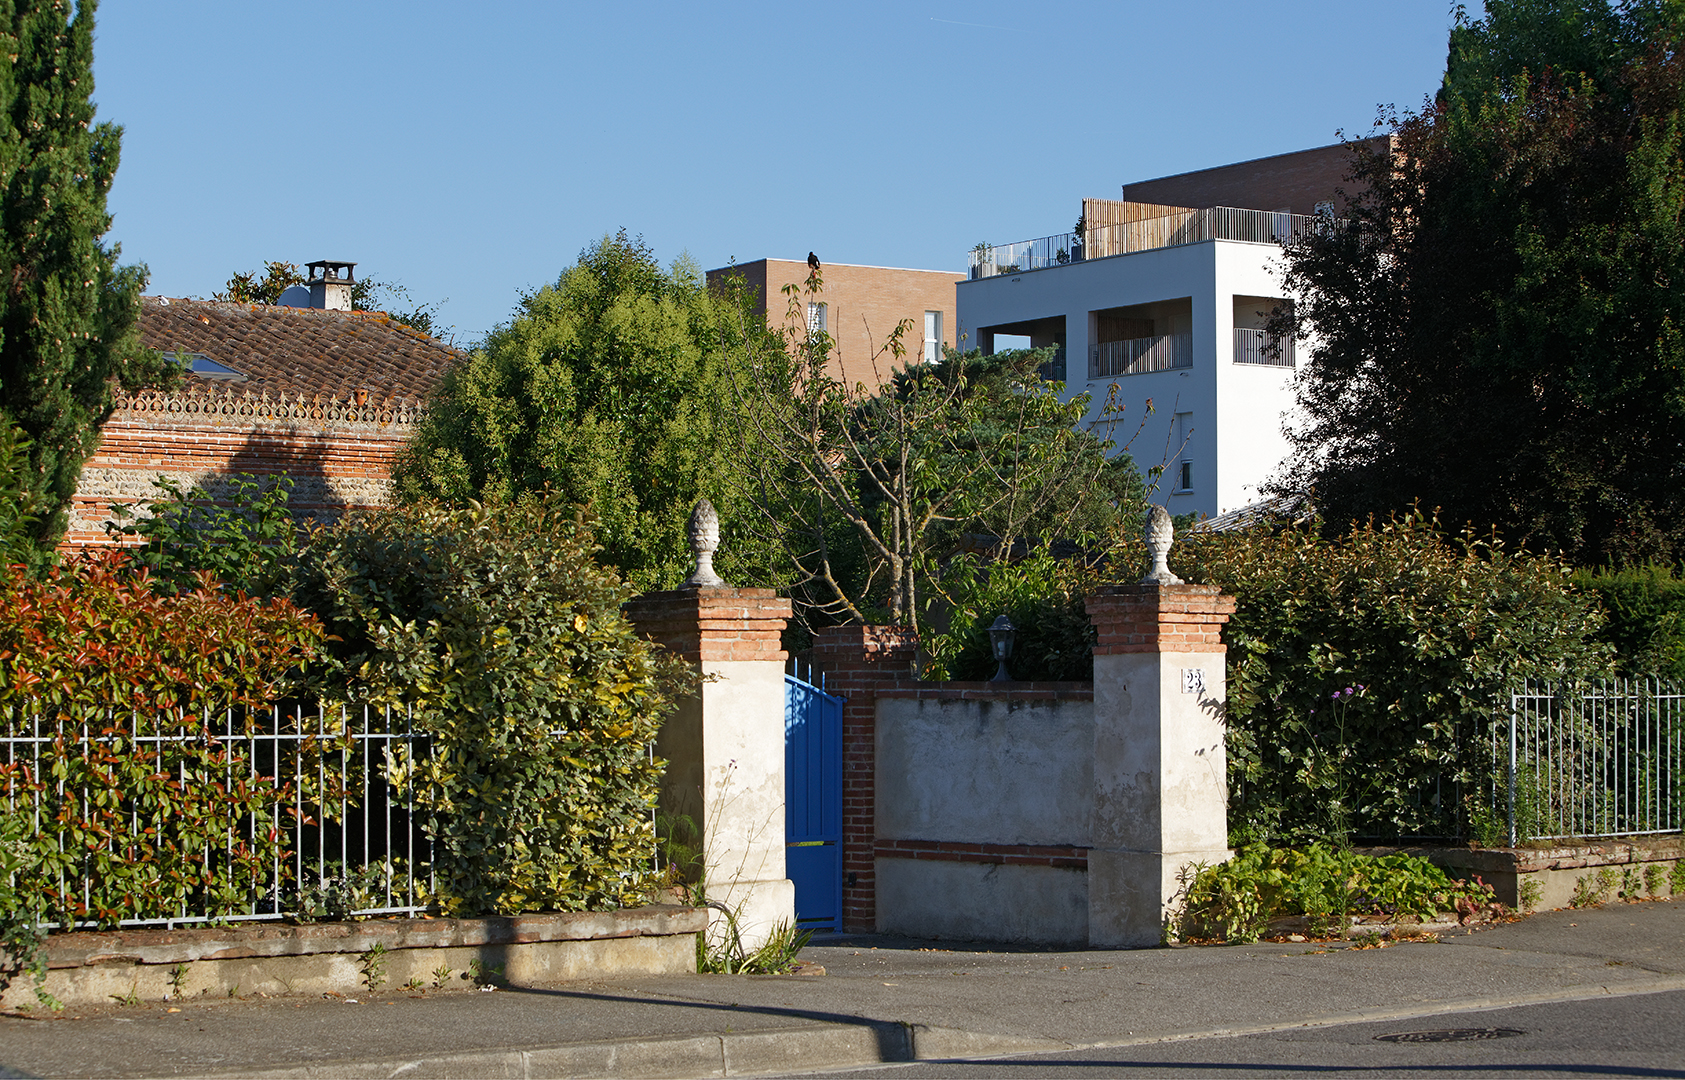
column 1169, row 230
column 1262, row 347
column 1109, row 359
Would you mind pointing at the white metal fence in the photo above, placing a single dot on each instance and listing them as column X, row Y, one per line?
column 1124, row 238
column 1599, row 760
column 1108, row 359
column 354, row 846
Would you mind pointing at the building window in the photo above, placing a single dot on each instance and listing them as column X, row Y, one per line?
column 1185, row 476
column 932, row 336
column 815, row 318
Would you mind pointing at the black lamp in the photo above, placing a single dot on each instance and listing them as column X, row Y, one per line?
column 1001, row 633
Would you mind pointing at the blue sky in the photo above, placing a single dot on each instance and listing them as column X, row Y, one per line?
column 471, row 151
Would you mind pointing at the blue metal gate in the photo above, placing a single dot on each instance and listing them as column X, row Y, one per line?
column 813, row 802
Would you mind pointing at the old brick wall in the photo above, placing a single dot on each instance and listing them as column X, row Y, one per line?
column 339, row 455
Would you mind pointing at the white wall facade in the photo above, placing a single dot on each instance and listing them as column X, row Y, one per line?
column 1235, row 411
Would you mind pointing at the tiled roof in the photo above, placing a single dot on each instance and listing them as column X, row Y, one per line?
column 287, row 352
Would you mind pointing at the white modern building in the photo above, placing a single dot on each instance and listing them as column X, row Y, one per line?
column 1159, row 306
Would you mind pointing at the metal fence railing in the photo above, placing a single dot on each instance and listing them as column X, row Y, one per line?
column 1124, row 238
column 1263, row 348
column 1165, row 352
column 313, row 777
column 1599, row 760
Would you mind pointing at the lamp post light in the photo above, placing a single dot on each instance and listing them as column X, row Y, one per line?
column 1001, row 633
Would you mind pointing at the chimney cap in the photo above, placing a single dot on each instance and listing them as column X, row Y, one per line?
column 331, row 270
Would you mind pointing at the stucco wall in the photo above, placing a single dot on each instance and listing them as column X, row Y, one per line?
column 985, row 771
column 982, row 824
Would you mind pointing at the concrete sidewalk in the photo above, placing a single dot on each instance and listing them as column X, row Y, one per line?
column 881, row 1000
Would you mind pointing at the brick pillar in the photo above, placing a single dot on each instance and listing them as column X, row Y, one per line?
column 1160, row 771
column 857, row 662
column 725, row 746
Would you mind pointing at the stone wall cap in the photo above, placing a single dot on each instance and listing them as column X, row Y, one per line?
column 83, row 948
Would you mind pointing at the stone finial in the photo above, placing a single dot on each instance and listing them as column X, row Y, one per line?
column 704, row 541
column 1161, row 533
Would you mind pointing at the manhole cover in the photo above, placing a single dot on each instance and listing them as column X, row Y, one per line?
column 1449, row 1035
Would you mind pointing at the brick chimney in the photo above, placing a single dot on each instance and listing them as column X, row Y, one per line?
column 330, row 284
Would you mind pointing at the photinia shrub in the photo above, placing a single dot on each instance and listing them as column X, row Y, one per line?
column 122, row 710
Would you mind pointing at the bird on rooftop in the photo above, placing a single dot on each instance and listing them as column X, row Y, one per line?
column 812, row 261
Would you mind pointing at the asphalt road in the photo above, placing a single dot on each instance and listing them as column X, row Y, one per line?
column 1639, row 1035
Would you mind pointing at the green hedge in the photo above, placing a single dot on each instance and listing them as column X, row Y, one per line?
column 1645, row 606
column 500, row 629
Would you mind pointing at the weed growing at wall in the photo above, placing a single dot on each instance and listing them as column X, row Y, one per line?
column 501, row 630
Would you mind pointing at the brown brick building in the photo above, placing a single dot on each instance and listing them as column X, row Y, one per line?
column 859, row 307
column 327, row 397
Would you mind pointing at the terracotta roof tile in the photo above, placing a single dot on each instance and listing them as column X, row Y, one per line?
column 285, row 351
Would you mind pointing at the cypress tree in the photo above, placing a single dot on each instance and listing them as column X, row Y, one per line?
column 67, row 310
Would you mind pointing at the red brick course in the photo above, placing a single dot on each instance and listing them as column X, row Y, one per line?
column 1057, row 856
column 714, row 622
column 1159, row 618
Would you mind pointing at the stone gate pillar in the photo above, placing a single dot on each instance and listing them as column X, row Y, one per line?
column 724, row 746
column 1160, row 797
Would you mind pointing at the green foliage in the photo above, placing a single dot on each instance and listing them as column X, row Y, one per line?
column 1498, row 312
column 1645, row 606
column 505, row 636
column 253, row 288
column 21, row 909
column 17, row 500
column 1042, row 594
column 1235, row 900
column 727, row 955
column 127, row 692
column 245, row 537
column 609, row 389
column 68, row 312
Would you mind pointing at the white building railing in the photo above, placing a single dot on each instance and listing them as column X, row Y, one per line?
column 1125, row 238
column 1109, row 359
column 1262, row 347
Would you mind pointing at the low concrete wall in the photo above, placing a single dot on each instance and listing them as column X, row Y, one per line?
column 1031, row 905
column 94, row 967
column 1557, row 870
column 982, row 817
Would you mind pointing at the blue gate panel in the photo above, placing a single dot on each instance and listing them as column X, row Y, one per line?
column 813, row 802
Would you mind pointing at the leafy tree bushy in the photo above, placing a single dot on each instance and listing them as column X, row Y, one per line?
column 1043, row 596
column 1426, row 630
column 502, row 632
column 128, row 690
column 607, row 389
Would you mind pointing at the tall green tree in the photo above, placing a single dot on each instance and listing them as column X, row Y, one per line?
column 608, row 388
column 67, row 310
column 1501, row 310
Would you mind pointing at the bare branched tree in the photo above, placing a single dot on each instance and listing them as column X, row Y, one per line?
column 868, row 487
